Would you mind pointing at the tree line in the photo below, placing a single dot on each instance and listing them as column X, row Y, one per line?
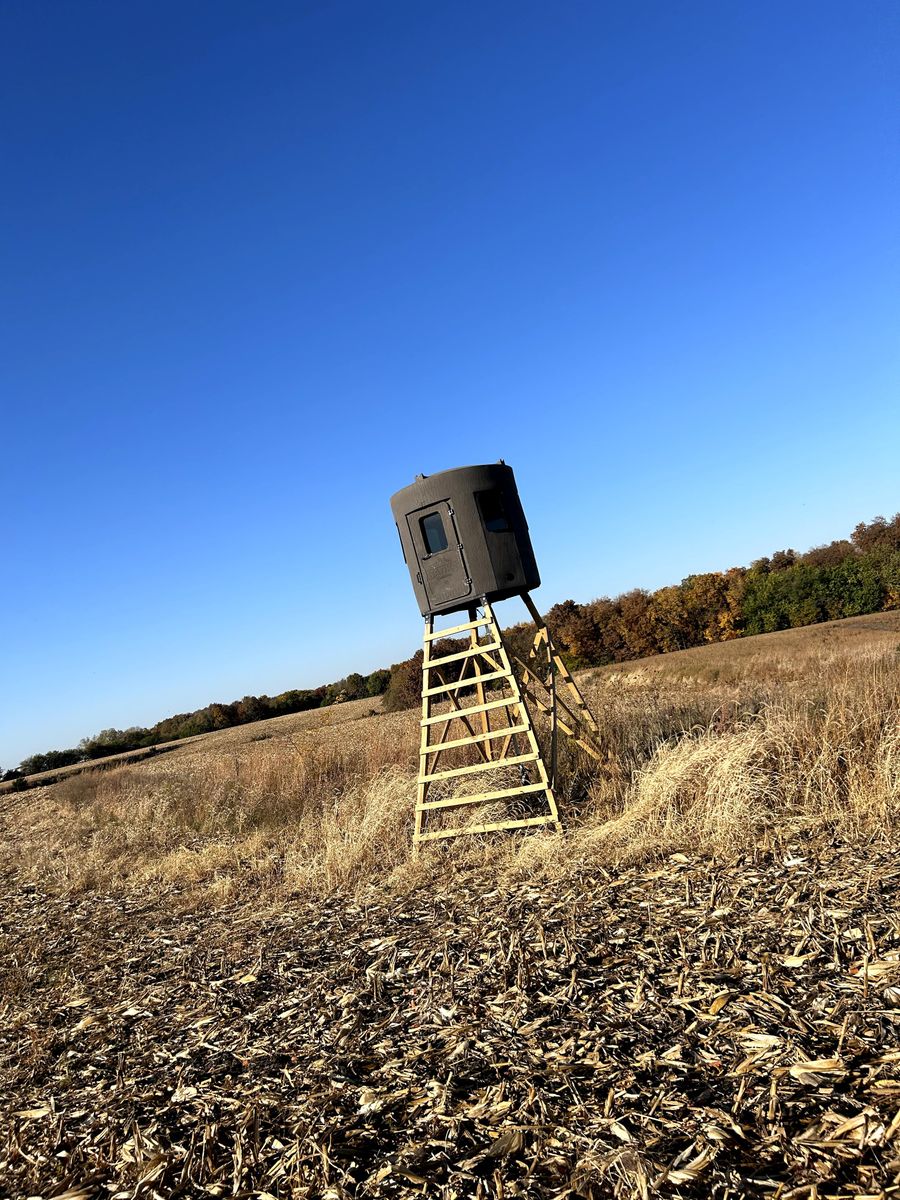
column 845, row 578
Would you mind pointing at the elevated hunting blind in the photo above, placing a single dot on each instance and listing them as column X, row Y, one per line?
column 466, row 543
column 465, row 538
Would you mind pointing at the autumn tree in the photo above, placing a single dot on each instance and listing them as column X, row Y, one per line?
column 636, row 623
column 879, row 534
column 405, row 687
column 830, row 555
column 574, row 634
column 606, row 616
column 669, row 618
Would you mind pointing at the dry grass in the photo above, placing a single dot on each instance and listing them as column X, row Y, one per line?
column 822, row 755
column 270, row 814
column 714, row 750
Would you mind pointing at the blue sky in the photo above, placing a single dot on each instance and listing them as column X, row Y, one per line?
column 260, row 264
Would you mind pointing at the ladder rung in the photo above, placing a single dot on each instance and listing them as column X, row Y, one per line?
column 490, row 827
column 483, row 766
column 442, row 633
column 455, row 713
column 478, row 737
column 469, row 681
column 449, row 658
column 483, row 797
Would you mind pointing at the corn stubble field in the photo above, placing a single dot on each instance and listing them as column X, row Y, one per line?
column 223, row 973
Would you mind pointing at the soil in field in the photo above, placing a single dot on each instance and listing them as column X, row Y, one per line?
column 690, row 1029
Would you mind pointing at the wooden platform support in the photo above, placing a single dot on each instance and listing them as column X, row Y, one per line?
column 487, row 702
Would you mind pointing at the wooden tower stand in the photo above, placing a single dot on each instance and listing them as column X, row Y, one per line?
column 485, row 713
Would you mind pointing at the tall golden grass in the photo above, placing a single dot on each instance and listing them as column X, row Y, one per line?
column 821, row 754
column 710, row 760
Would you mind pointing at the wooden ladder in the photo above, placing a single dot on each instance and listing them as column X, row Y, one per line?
column 497, row 724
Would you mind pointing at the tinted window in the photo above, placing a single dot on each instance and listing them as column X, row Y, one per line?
column 433, row 534
column 492, row 512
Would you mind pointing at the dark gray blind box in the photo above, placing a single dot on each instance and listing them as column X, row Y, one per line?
column 464, row 537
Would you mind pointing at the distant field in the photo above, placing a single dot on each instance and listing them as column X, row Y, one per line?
column 223, row 972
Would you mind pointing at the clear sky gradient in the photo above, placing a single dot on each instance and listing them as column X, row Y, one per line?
column 260, row 264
